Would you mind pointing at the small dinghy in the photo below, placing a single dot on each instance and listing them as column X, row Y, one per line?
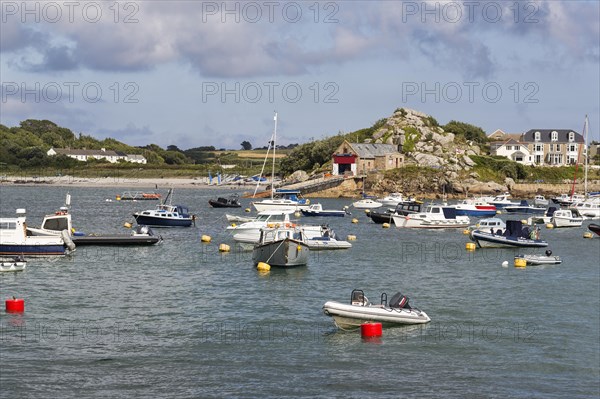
column 535, row 260
column 360, row 310
column 16, row 264
column 221, row 202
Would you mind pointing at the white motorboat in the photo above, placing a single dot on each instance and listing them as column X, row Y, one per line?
column 567, row 218
column 540, row 200
column 590, row 208
column 366, row 203
column 16, row 240
column 393, row 199
column 568, row 199
column 535, row 260
column 16, row 264
column 166, row 215
column 317, row 210
column 434, row 217
column 501, row 201
column 544, row 219
column 360, row 310
column 250, row 231
column 489, row 224
column 283, row 247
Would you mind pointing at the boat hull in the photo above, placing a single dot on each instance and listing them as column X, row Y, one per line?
column 162, row 221
column 281, row 253
column 12, row 266
column 480, row 213
column 32, row 250
column 323, row 244
column 352, row 316
column 115, row 240
column 219, row 204
column 595, row 228
column 323, row 213
column 415, row 223
column 536, row 260
column 567, row 222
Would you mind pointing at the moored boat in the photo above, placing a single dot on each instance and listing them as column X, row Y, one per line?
column 501, row 201
column 16, row 240
column 515, row 235
column 16, row 264
column 548, row 259
column 360, row 310
column 475, row 208
column 326, row 239
column 594, row 228
column 403, row 209
column 524, row 207
column 567, row 218
column 283, row 247
column 165, row 215
column 137, row 196
column 366, row 203
column 317, row 210
column 434, row 217
column 540, row 200
column 222, row 202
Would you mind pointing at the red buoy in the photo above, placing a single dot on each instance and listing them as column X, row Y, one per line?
column 370, row 330
column 15, row 305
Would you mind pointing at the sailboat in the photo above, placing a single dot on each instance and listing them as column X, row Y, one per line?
column 281, row 200
column 572, row 198
column 589, row 207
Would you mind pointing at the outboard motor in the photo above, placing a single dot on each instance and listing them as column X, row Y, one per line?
column 399, row 301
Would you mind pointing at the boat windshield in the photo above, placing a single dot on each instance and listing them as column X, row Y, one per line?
column 56, row 224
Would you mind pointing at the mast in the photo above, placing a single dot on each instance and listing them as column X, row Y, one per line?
column 585, row 142
column 274, row 146
column 577, row 162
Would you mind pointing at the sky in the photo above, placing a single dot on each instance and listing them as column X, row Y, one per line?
column 193, row 73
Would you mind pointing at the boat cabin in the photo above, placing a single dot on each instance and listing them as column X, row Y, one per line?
column 271, row 234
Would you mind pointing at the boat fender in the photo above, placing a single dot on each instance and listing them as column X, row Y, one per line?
column 67, row 240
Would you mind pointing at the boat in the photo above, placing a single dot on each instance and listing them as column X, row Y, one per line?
column 165, row 215
column 283, row 247
column 594, row 228
column 475, row 208
column 535, row 260
column 317, row 210
column 524, row 207
column 15, row 264
column 434, row 217
column 325, row 240
column 540, row 200
column 16, row 240
column 137, row 196
column 249, row 232
column 55, row 224
column 515, row 235
column 568, row 199
column 403, row 209
column 222, row 202
column 360, row 310
column 366, row 203
column 500, row 201
column 590, row 208
column 394, row 199
column 281, row 199
column 567, row 218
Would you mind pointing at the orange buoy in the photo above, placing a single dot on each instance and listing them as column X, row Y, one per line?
column 15, row 305
column 370, row 330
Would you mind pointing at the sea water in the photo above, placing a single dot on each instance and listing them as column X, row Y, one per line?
column 181, row 319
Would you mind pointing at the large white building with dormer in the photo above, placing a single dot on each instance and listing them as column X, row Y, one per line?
column 86, row 155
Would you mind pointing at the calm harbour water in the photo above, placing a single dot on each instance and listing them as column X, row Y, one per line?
column 182, row 320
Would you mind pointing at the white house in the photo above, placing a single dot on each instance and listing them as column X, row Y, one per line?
column 513, row 150
column 85, row 155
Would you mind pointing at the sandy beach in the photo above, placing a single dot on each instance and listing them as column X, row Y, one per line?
column 131, row 183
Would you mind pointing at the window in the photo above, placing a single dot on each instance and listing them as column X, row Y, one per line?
column 572, row 148
column 8, row 226
column 517, row 148
column 557, row 147
column 539, row 148
column 554, row 136
column 551, row 147
column 537, row 136
column 509, row 147
column 571, row 136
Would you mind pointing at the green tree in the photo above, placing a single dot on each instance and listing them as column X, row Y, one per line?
column 246, row 145
column 469, row 132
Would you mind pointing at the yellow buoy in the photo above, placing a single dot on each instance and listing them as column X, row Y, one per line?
column 233, row 225
column 354, row 220
column 520, row 262
column 127, row 225
column 367, row 211
column 351, row 237
column 385, row 225
column 205, row 238
column 224, row 248
column 470, row 246
column 524, row 222
column 498, row 212
column 297, row 214
column 263, row 267
column 118, row 198
column 466, row 231
column 247, row 210
column 299, row 247
column 588, row 234
column 549, row 226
